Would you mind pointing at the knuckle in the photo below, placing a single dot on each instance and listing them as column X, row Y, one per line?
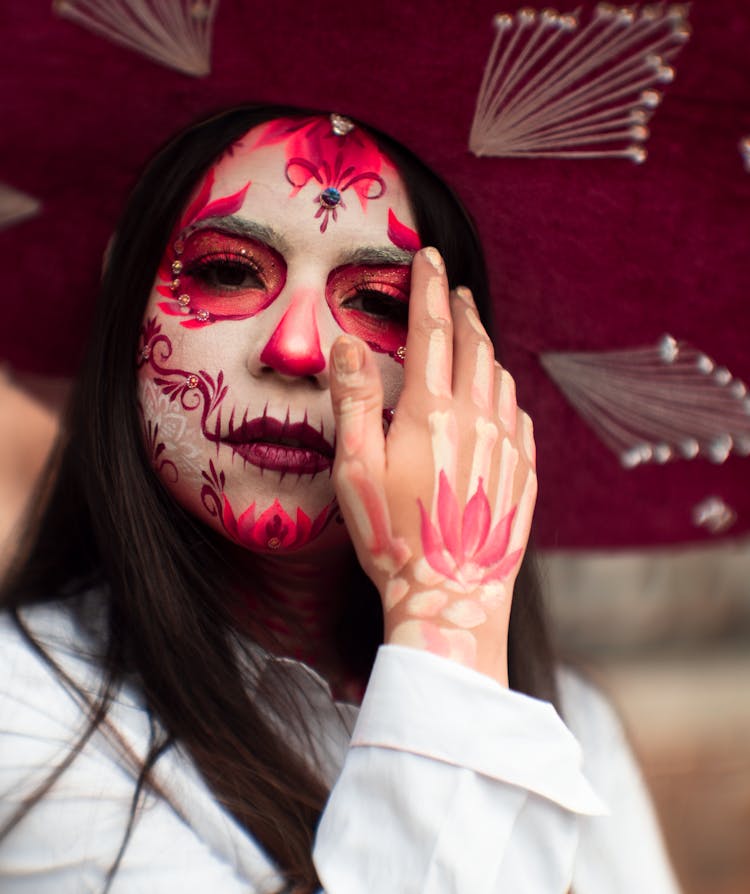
column 428, row 324
column 355, row 403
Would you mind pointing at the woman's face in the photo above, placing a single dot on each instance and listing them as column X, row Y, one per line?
column 300, row 232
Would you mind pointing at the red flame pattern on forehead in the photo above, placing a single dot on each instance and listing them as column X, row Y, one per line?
column 201, row 209
column 401, row 235
column 336, row 162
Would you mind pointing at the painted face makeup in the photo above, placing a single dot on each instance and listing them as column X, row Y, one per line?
column 296, row 235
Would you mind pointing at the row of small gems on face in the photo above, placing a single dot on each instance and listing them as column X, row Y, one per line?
column 183, row 299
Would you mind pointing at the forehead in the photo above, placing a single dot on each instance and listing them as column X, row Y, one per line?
column 305, row 180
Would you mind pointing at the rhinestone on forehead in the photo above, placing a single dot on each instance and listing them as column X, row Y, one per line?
column 341, row 125
column 330, row 197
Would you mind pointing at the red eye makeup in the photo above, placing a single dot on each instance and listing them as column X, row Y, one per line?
column 219, row 276
column 372, row 303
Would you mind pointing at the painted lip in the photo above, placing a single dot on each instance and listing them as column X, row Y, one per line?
column 282, row 446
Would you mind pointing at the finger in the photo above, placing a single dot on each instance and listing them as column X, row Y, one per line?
column 357, row 398
column 473, row 355
column 528, row 445
column 485, row 437
column 429, row 343
column 506, row 476
column 507, row 409
column 522, row 522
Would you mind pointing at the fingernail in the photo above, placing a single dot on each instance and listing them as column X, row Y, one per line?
column 432, row 255
column 347, row 356
column 465, row 294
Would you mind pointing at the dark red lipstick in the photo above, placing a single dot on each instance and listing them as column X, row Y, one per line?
column 281, row 445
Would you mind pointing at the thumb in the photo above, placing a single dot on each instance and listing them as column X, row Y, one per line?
column 357, row 397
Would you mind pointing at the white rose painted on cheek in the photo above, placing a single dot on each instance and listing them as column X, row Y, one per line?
column 172, row 448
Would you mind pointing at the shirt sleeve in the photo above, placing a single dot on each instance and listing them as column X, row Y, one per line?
column 453, row 784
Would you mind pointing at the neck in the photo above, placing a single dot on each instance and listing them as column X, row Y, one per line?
column 295, row 602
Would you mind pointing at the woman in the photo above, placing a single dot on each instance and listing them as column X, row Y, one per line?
column 290, row 441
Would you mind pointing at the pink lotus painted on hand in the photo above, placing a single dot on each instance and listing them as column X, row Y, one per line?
column 274, row 528
column 465, row 549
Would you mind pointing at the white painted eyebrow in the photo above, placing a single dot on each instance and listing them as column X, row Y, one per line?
column 367, row 256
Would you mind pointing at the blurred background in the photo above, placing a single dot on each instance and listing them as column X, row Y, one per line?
column 622, row 217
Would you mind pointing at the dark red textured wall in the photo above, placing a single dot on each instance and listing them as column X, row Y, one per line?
column 590, row 255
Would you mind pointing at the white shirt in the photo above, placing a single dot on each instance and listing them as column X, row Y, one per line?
column 449, row 784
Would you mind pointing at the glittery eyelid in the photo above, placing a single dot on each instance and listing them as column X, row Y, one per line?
column 346, row 283
column 205, row 245
column 210, row 258
column 370, row 286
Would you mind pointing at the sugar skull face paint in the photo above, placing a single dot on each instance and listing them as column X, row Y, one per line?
column 265, row 269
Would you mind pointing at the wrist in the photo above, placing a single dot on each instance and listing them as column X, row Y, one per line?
column 482, row 648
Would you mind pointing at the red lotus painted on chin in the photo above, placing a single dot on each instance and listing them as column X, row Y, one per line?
column 466, row 549
column 274, row 529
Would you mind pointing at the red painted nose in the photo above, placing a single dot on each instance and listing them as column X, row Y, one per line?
column 294, row 347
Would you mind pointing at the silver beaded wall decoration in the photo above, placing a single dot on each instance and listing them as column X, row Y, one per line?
column 175, row 33
column 714, row 515
column 553, row 88
column 16, row 206
column 745, row 152
column 655, row 404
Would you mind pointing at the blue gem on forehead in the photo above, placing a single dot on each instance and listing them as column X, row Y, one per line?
column 330, row 197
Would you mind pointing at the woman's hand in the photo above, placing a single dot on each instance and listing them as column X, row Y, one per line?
column 439, row 511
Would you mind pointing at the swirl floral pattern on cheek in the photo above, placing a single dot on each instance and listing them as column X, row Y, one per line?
column 167, row 394
column 189, row 390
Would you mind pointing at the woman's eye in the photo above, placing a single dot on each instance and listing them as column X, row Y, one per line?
column 379, row 304
column 226, row 274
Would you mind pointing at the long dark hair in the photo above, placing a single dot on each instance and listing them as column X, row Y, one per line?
column 105, row 523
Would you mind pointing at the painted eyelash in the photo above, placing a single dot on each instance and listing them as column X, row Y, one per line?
column 379, row 287
column 216, row 261
column 392, row 304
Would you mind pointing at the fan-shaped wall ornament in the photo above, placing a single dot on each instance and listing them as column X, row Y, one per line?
column 745, row 152
column 654, row 404
column 175, row 33
column 16, row 206
column 554, row 89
